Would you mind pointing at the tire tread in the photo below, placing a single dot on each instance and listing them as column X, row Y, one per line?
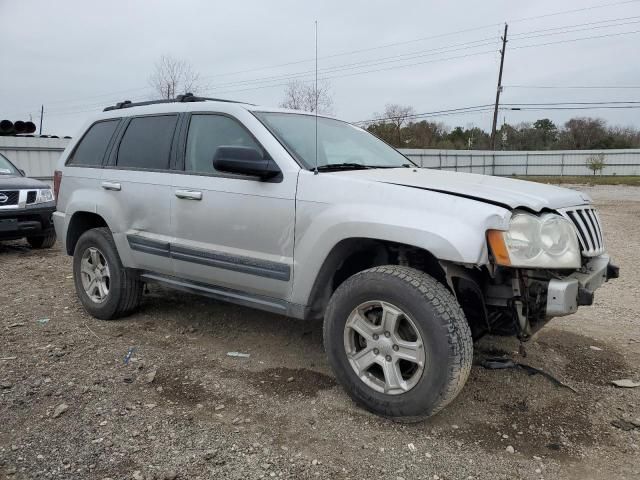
column 45, row 241
column 130, row 294
column 452, row 319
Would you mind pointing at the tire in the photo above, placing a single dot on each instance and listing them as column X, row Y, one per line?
column 42, row 241
column 439, row 324
column 124, row 285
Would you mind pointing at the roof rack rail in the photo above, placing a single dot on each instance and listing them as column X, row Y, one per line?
column 187, row 97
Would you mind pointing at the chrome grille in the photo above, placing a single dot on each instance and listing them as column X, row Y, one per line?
column 9, row 197
column 588, row 228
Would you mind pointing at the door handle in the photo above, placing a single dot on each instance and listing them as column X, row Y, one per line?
column 189, row 195
column 111, row 186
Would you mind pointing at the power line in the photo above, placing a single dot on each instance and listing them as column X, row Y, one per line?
column 368, row 63
column 616, row 102
column 511, row 106
column 565, row 32
column 594, row 107
column 570, row 87
column 576, row 39
column 349, row 66
column 395, row 67
column 515, row 35
column 83, row 108
column 437, row 60
column 344, row 67
column 351, row 52
column 473, row 44
column 365, row 72
column 436, row 112
column 575, row 10
column 392, row 59
column 389, row 60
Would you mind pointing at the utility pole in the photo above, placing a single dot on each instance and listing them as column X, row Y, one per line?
column 499, row 89
column 41, row 115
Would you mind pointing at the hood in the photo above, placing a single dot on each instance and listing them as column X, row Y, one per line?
column 15, row 182
column 504, row 192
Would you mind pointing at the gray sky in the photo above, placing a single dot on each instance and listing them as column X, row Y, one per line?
column 76, row 57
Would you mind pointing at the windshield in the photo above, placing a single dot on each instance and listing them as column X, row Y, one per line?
column 6, row 167
column 339, row 142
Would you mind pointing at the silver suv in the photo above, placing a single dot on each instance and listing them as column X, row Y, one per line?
column 312, row 217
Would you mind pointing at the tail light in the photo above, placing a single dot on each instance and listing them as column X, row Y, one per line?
column 57, row 179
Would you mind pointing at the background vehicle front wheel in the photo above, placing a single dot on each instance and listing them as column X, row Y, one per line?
column 398, row 341
column 106, row 289
column 42, row 241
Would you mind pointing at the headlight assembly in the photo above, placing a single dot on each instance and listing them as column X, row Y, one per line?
column 44, row 195
column 547, row 241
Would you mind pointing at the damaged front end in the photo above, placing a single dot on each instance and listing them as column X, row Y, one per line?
column 518, row 302
column 543, row 266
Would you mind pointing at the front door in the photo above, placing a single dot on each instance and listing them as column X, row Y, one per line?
column 231, row 231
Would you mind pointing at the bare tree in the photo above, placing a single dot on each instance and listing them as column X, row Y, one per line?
column 397, row 115
column 302, row 96
column 173, row 77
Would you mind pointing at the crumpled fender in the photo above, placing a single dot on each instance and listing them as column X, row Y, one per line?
column 450, row 227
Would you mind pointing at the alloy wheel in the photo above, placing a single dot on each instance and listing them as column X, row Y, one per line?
column 95, row 275
column 384, row 347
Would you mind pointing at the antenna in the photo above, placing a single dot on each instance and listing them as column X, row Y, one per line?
column 315, row 94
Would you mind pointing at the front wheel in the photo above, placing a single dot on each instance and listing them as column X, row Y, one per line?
column 42, row 241
column 398, row 341
column 105, row 287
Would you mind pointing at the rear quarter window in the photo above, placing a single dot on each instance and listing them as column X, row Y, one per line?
column 93, row 145
column 146, row 144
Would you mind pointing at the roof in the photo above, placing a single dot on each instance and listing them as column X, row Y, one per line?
column 187, row 103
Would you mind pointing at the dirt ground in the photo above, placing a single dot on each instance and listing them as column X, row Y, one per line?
column 180, row 407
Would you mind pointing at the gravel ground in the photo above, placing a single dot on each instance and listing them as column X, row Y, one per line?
column 71, row 406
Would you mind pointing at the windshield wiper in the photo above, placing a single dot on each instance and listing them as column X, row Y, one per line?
column 341, row 166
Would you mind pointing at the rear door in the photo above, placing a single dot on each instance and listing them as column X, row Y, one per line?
column 231, row 231
column 83, row 169
column 136, row 186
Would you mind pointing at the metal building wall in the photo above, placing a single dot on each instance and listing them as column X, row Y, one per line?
column 507, row 163
column 37, row 156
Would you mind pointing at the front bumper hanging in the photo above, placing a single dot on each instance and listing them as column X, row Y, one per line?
column 565, row 295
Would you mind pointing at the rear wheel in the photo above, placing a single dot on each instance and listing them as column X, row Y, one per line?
column 398, row 342
column 42, row 241
column 106, row 289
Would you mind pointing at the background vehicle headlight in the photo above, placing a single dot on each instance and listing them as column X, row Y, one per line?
column 547, row 241
column 44, row 195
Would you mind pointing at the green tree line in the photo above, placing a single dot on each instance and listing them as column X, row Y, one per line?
column 583, row 133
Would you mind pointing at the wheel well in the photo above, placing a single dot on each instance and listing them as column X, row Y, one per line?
column 81, row 222
column 354, row 255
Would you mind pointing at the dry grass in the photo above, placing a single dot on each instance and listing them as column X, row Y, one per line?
column 587, row 180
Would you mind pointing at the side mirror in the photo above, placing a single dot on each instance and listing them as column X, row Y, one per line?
column 244, row 161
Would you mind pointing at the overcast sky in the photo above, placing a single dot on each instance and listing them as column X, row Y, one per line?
column 77, row 56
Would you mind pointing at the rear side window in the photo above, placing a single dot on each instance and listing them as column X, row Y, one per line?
column 147, row 143
column 206, row 134
column 91, row 149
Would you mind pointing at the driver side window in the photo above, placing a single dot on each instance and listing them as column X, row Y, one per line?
column 206, row 134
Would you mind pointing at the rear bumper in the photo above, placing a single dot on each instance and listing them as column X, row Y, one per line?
column 565, row 295
column 19, row 223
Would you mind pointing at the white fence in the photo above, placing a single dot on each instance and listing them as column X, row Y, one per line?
column 506, row 163
column 37, row 156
